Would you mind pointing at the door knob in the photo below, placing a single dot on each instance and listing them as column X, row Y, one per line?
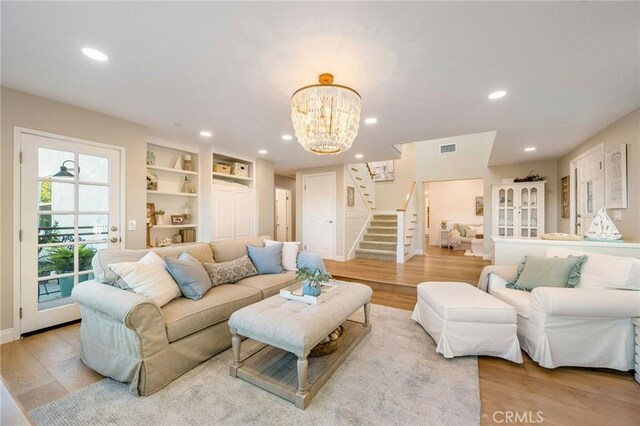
column 114, row 228
column 330, row 221
column 113, row 239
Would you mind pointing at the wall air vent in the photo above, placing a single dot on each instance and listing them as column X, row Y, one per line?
column 448, row 148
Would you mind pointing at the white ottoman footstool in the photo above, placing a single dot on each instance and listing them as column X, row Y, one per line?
column 464, row 320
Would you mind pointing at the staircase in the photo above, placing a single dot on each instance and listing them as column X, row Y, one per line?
column 381, row 239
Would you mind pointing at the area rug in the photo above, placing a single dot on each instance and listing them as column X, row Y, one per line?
column 394, row 377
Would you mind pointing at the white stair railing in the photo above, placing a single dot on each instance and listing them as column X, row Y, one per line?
column 365, row 189
column 407, row 227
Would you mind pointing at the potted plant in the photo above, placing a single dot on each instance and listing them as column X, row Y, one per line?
column 443, row 224
column 85, row 255
column 159, row 217
column 312, row 280
column 59, row 260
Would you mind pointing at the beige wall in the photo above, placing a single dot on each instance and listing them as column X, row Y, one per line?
column 36, row 113
column 624, row 131
column 265, row 196
column 340, row 209
column 455, row 201
column 391, row 195
column 289, row 183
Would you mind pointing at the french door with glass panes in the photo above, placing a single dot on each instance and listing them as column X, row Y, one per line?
column 70, row 208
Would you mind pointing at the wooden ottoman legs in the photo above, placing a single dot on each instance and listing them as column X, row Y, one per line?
column 367, row 314
column 235, row 347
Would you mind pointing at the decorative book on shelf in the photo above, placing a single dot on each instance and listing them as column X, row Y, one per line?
column 188, row 235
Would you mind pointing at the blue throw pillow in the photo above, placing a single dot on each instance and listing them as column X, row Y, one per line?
column 190, row 275
column 267, row 260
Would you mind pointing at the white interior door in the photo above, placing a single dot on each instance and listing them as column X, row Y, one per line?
column 223, row 205
column 282, row 215
column 243, row 214
column 70, row 208
column 319, row 214
column 589, row 188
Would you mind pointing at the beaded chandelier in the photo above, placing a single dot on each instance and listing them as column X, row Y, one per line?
column 326, row 116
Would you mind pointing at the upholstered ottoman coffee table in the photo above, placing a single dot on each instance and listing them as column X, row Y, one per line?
column 464, row 320
column 290, row 329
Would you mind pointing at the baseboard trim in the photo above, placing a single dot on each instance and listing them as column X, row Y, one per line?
column 6, row 335
column 419, row 252
column 339, row 258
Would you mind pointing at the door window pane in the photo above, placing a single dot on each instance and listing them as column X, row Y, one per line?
column 86, row 253
column 56, row 228
column 525, row 197
column 55, row 196
column 53, row 261
column 50, row 161
column 93, row 198
column 93, row 169
column 93, row 227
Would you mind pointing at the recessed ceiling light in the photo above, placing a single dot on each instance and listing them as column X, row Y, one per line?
column 359, row 156
column 263, row 151
column 287, row 137
column 95, row 54
column 529, row 149
column 205, row 134
column 371, row 120
column 497, row 95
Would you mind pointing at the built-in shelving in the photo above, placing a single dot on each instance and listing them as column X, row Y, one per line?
column 167, row 159
column 186, row 225
column 181, row 194
column 172, row 170
column 232, row 177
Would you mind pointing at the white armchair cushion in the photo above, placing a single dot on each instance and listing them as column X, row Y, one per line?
column 603, row 271
column 520, row 300
column 576, row 302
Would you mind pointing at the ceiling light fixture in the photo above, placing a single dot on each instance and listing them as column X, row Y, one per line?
column 497, row 95
column 326, row 116
column 287, row 137
column 263, row 151
column 530, row 149
column 359, row 156
column 205, row 134
column 95, row 54
column 371, row 120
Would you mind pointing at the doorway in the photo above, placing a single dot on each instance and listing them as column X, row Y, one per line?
column 587, row 192
column 283, row 215
column 319, row 214
column 69, row 202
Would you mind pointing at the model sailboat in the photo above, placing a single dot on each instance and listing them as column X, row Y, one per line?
column 602, row 228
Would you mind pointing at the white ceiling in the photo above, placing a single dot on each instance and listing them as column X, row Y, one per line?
column 423, row 69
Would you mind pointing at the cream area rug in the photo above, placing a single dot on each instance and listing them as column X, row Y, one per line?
column 393, row 377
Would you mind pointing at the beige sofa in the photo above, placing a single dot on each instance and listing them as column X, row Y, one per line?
column 126, row 337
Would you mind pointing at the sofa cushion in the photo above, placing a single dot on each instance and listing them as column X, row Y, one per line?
column 267, row 260
column 227, row 250
column 185, row 316
column 231, row 271
column 105, row 257
column 602, row 270
column 548, row 272
column 190, row 276
column 290, row 251
column 148, row 277
column 270, row 285
column 521, row 300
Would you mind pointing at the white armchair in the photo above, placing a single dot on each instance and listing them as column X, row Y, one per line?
column 583, row 327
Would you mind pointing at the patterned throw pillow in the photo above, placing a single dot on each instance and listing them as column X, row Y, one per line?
column 230, row 272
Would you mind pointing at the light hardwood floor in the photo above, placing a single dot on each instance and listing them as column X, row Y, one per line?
column 44, row 367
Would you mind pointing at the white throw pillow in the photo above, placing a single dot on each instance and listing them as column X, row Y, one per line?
column 472, row 232
column 289, row 253
column 602, row 270
column 148, row 277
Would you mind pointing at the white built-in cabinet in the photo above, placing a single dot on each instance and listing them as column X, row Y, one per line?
column 518, row 209
column 232, row 201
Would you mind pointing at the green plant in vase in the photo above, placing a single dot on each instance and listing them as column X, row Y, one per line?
column 85, row 255
column 59, row 260
column 312, row 280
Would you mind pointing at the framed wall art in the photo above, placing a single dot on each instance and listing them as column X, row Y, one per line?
column 615, row 175
column 564, row 196
column 382, row 170
column 351, row 196
column 479, row 206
